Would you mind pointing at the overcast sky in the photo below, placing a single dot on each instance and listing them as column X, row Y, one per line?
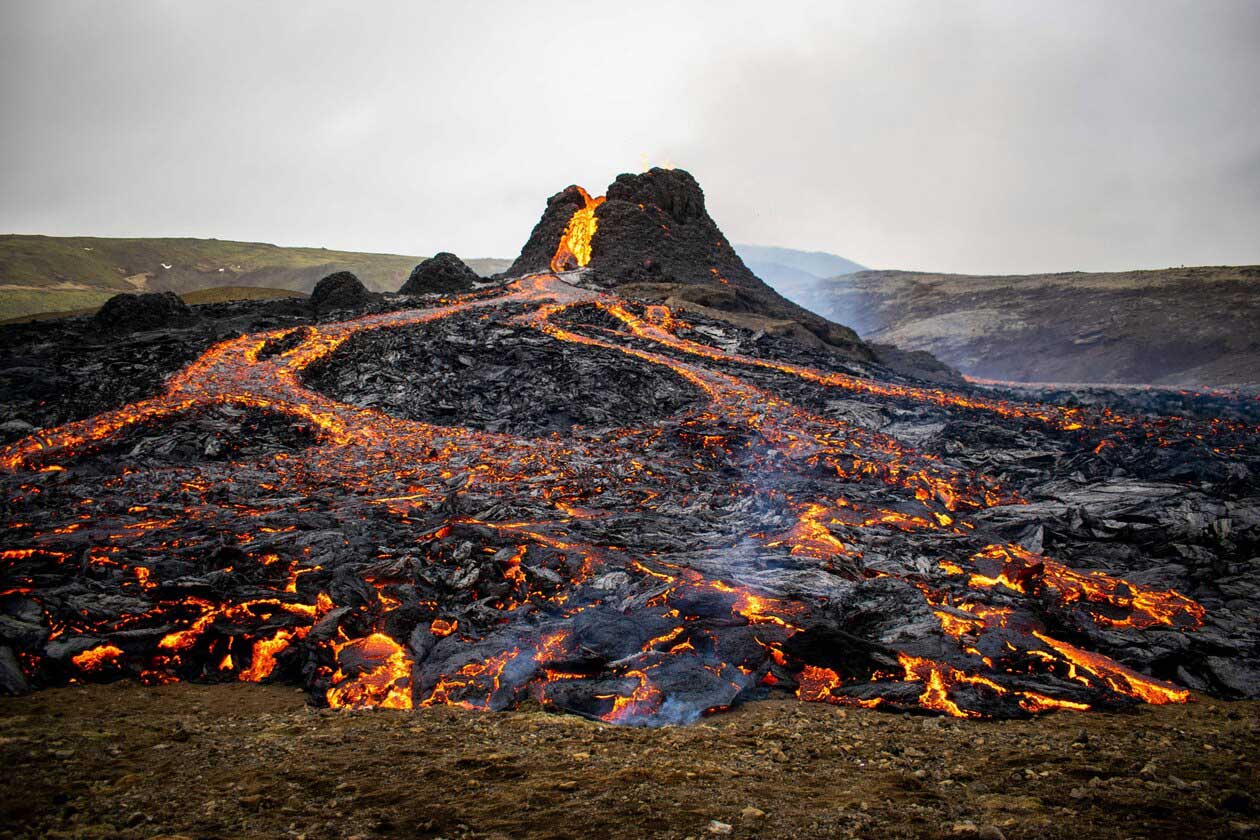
column 957, row 136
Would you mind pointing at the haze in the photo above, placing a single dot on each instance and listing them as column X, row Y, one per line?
column 971, row 137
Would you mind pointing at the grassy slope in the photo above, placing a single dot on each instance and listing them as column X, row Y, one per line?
column 30, row 304
column 46, row 273
column 220, row 294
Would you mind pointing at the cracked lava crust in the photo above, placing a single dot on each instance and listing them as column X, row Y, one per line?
column 675, row 525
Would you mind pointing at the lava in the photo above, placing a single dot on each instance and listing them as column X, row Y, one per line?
column 365, row 640
column 1101, row 594
column 94, row 659
column 574, row 250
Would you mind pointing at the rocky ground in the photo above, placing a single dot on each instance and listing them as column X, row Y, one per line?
column 239, row 760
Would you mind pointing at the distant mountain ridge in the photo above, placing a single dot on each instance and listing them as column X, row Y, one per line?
column 818, row 263
column 799, row 276
column 48, row 273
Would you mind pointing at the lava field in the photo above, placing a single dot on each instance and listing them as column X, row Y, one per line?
column 542, row 492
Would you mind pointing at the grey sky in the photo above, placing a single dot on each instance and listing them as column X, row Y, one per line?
column 960, row 136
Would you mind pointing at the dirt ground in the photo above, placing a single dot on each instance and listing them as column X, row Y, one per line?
column 255, row 761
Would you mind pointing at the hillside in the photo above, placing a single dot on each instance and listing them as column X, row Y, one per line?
column 1176, row 326
column 49, row 273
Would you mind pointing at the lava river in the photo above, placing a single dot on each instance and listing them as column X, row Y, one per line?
column 642, row 574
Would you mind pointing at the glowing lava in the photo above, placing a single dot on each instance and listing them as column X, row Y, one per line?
column 574, row 250
column 538, row 578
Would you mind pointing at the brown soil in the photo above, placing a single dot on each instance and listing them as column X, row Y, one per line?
column 254, row 761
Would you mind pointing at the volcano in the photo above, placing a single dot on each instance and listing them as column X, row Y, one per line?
column 651, row 237
column 626, row 481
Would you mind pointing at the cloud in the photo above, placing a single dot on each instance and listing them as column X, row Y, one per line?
column 983, row 137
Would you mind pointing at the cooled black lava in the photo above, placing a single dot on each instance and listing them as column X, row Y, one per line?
column 506, row 378
column 640, row 570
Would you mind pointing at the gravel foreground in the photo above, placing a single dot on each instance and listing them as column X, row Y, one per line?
column 245, row 760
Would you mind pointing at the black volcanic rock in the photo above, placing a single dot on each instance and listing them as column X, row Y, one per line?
column 441, row 273
column 457, row 373
column 132, row 313
column 674, row 192
column 654, row 227
column 661, row 495
column 341, row 290
column 57, row 371
column 918, row 364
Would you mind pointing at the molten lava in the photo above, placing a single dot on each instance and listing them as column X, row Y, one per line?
column 487, row 607
column 574, row 250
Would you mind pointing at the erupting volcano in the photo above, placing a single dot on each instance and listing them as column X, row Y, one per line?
column 548, row 489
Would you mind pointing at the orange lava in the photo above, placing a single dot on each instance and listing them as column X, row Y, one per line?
column 94, row 659
column 395, row 462
column 574, row 250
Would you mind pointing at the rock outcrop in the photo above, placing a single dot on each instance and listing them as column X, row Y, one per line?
column 341, row 290
column 654, row 227
column 132, row 313
column 442, row 273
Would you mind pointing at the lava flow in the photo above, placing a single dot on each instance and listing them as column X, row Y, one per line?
column 644, row 574
column 574, row 250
